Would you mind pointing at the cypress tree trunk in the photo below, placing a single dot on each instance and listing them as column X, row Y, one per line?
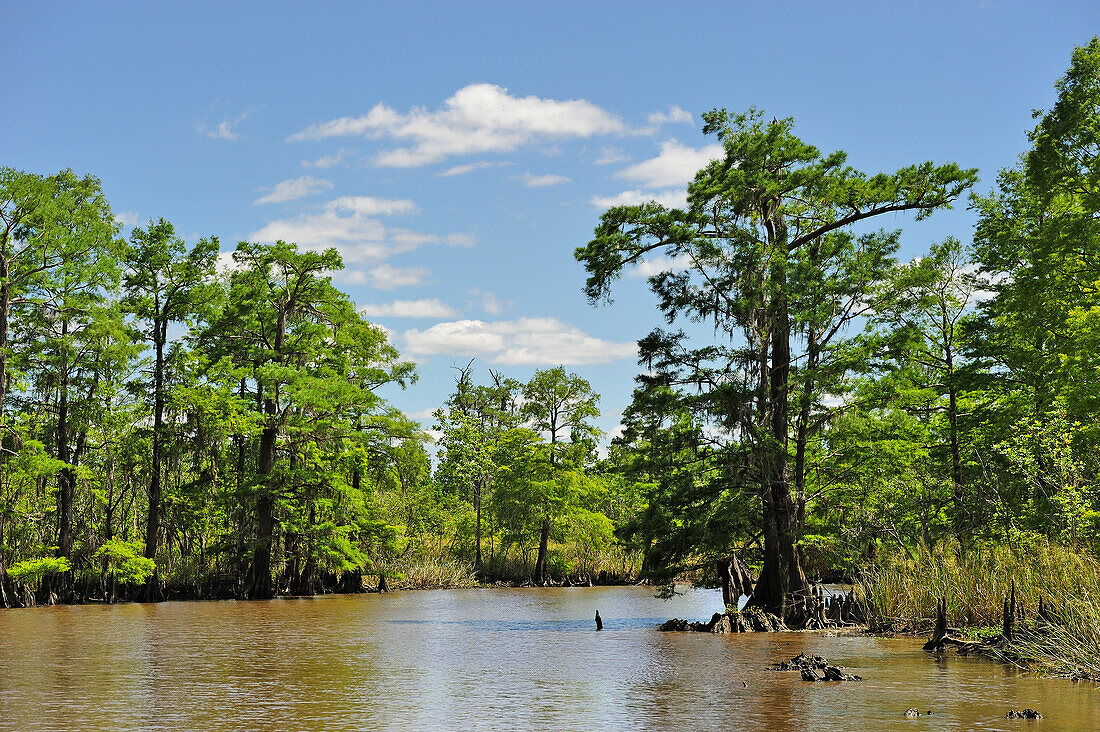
column 265, row 513
column 265, row 465
column 544, row 542
column 66, row 480
column 782, row 572
column 477, row 532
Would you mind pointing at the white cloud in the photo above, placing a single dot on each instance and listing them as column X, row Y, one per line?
column 226, row 265
column 469, row 168
column 427, row 308
column 525, row 341
column 388, row 277
column 478, row 118
column 372, row 206
column 672, row 198
column 423, row 415
column 542, row 181
column 672, row 114
column 676, row 165
column 289, row 190
column 350, row 225
column 126, row 219
column 611, row 155
column 487, row 301
column 655, row 265
column 327, row 161
column 224, row 129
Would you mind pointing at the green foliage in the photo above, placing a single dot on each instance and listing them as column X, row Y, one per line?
column 33, row 571
column 123, row 561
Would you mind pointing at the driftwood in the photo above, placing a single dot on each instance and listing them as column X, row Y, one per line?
column 749, row 620
column 1024, row 714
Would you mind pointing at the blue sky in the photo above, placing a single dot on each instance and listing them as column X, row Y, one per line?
column 457, row 153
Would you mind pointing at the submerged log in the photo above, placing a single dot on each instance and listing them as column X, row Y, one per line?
column 815, row 668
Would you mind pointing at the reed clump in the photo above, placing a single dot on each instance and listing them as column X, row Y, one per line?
column 975, row 583
column 430, row 572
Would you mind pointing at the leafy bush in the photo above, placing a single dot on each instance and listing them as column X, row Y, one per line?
column 125, row 562
column 33, row 571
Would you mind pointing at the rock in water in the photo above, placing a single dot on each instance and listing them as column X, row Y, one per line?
column 833, row 673
column 809, row 674
column 912, row 712
column 802, row 661
column 675, row 624
column 1024, row 714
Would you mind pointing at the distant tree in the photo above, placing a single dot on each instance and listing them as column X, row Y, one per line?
column 555, row 401
column 164, row 283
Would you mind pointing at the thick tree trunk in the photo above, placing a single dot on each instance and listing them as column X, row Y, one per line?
column 65, row 478
column 265, row 516
column 544, row 543
column 265, row 465
column 782, row 572
column 5, row 307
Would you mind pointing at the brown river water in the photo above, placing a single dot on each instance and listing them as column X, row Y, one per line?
column 482, row 659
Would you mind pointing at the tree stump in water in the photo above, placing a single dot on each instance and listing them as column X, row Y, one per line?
column 939, row 633
column 736, row 579
column 599, row 621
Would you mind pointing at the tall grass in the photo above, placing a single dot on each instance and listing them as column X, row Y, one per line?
column 975, row 584
column 430, row 572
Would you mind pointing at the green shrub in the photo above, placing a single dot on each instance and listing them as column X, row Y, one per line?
column 33, row 571
column 125, row 562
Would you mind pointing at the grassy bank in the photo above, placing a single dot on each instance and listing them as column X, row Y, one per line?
column 975, row 584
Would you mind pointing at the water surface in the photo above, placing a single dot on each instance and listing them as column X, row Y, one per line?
column 484, row 659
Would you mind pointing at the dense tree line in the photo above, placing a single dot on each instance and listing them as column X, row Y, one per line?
column 170, row 428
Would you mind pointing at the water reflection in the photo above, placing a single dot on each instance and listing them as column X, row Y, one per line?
column 486, row 659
